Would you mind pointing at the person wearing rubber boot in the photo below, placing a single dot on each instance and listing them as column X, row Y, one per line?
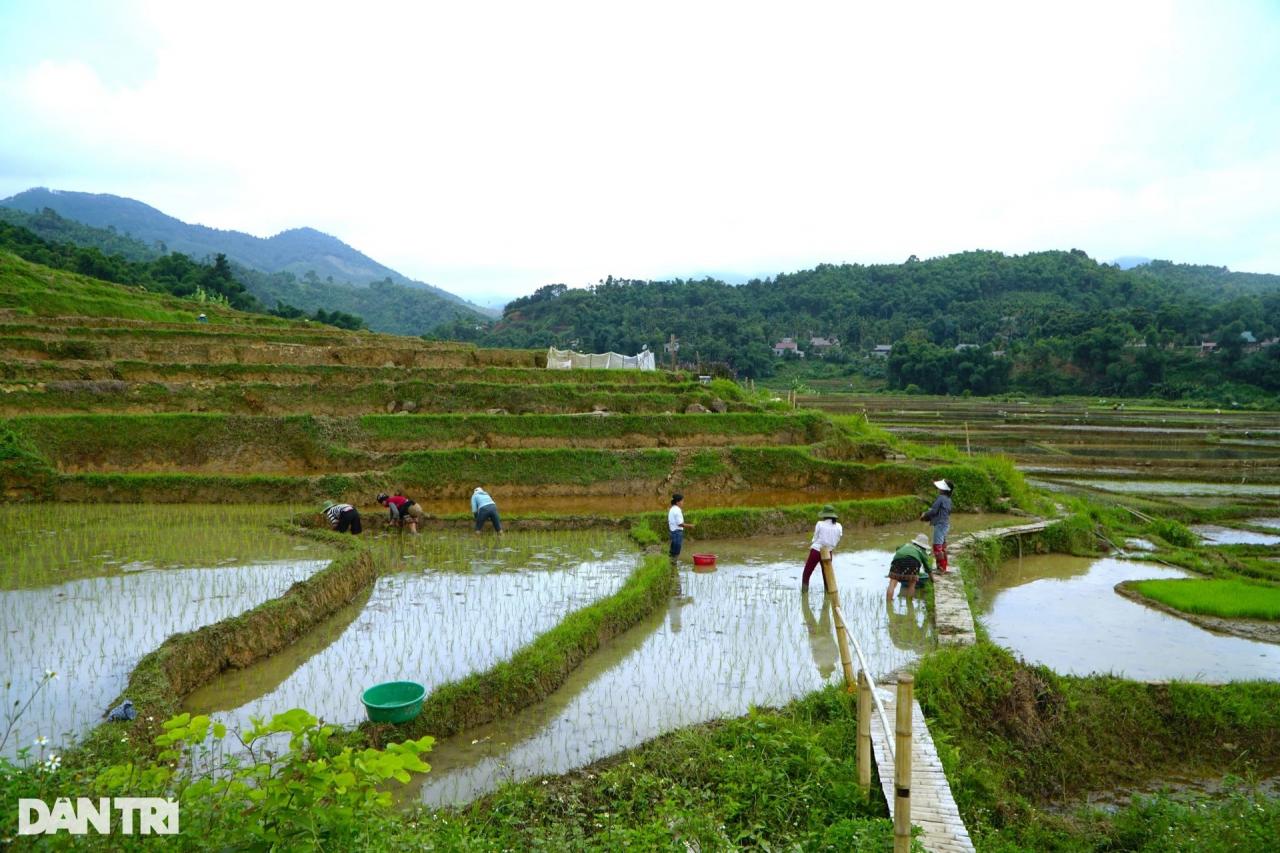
column 939, row 515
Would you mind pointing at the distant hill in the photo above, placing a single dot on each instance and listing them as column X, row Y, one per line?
column 298, row 250
column 1062, row 323
column 1128, row 262
column 301, row 267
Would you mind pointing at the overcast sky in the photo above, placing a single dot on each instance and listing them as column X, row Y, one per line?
column 491, row 148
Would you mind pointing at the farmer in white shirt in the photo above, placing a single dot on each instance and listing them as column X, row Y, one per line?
column 826, row 532
column 676, row 524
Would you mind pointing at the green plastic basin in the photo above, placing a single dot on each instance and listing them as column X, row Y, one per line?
column 394, row 701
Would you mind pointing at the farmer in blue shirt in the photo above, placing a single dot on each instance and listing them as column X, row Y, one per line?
column 939, row 514
column 484, row 509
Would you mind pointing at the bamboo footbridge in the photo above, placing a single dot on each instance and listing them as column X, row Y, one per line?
column 911, row 774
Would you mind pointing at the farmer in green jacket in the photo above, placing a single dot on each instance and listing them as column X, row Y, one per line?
column 906, row 565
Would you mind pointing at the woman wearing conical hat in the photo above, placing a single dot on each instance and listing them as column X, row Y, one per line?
column 826, row 532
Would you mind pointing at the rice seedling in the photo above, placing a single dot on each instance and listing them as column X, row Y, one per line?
column 456, row 604
column 86, row 591
column 93, row 630
column 1228, row 598
column 59, row 542
column 740, row 637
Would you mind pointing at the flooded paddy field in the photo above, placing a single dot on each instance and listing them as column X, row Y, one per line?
column 1214, row 534
column 1063, row 612
column 86, row 591
column 457, row 605
column 741, row 636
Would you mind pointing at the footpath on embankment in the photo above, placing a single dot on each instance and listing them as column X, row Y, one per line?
column 933, row 808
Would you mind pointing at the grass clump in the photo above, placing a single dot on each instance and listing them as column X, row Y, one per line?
column 1014, row 737
column 1226, row 597
column 772, row 780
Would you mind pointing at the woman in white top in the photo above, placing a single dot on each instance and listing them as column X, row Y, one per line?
column 826, row 532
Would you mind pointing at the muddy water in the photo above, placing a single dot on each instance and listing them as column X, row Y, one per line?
column 92, row 632
column 743, row 635
column 1214, row 534
column 1063, row 612
column 608, row 505
column 461, row 605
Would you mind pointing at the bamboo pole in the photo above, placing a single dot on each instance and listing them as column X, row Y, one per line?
column 842, row 631
column 864, row 732
column 902, row 767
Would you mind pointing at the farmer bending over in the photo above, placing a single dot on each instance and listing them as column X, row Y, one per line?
column 484, row 509
column 342, row 517
column 906, row 565
column 401, row 511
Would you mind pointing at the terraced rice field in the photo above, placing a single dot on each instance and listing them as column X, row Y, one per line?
column 88, row 590
column 164, row 460
column 1166, row 456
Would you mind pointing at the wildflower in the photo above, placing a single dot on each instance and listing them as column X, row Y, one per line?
column 41, row 741
column 50, row 674
column 53, row 762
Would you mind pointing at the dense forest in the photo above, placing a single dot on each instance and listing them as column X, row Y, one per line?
column 981, row 322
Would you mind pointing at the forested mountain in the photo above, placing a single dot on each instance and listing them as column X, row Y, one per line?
column 1064, row 323
column 384, row 304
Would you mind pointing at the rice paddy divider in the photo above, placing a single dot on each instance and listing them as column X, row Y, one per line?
column 540, row 668
column 184, row 661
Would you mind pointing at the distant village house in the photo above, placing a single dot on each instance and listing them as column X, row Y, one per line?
column 787, row 345
column 821, row 345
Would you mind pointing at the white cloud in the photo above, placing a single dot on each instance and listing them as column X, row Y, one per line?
column 505, row 146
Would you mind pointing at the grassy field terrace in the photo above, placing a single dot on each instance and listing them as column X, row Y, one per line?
column 1062, row 441
column 111, row 394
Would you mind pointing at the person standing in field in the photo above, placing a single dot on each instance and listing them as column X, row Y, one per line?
column 402, row 511
column 484, row 509
column 342, row 517
column 939, row 515
column 826, row 533
column 906, row 565
column 676, row 524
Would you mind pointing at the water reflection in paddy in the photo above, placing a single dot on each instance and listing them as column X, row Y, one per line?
column 741, row 636
column 1215, row 534
column 93, row 631
column 1063, row 612
column 462, row 604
